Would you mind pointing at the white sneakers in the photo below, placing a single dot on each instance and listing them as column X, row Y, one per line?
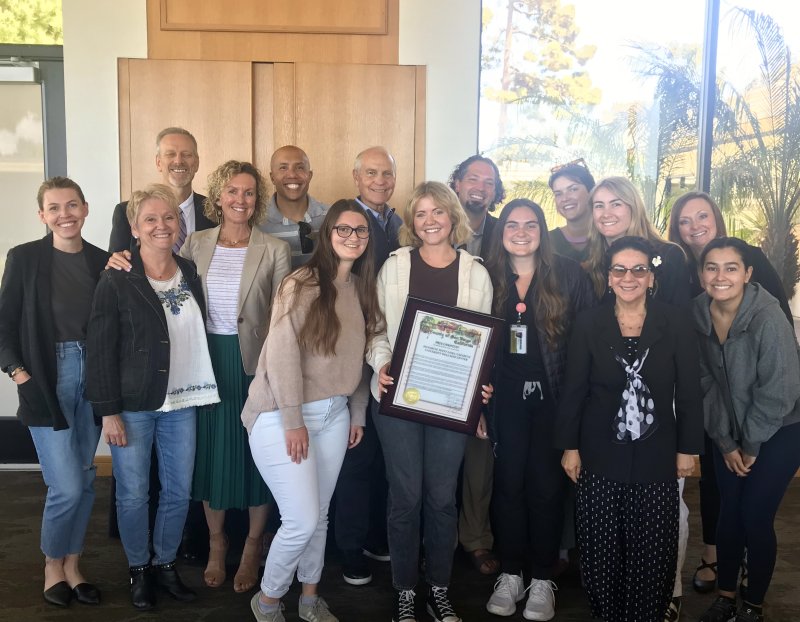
column 541, row 603
column 508, row 591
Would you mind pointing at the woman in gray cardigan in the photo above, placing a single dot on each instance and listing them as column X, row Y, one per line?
column 750, row 376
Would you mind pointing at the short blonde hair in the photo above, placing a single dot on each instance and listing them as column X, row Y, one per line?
column 221, row 176
column 444, row 198
column 161, row 192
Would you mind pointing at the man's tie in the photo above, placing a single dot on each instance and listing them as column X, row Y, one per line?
column 181, row 232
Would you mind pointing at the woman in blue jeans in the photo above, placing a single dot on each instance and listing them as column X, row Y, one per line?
column 148, row 369
column 750, row 375
column 422, row 461
column 45, row 300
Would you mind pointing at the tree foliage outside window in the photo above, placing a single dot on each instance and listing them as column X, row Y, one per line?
column 31, row 22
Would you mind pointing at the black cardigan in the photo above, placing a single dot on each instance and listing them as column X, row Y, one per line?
column 593, row 390
column 27, row 329
column 127, row 345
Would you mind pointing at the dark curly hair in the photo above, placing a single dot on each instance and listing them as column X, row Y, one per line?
column 461, row 170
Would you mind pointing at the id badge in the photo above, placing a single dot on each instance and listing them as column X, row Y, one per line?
column 519, row 339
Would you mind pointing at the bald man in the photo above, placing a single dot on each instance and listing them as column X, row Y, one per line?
column 292, row 213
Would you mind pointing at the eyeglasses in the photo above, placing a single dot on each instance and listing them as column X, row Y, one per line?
column 345, row 231
column 639, row 272
column 306, row 243
column 578, row 162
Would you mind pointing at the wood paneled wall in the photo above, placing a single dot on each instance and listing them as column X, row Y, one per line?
column 319, row 31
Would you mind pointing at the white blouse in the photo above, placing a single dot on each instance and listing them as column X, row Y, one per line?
column 223, row 280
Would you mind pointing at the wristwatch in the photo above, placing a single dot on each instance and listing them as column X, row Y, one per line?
column 13, row 369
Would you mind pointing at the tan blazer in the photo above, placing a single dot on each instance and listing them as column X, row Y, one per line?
column 267, row 261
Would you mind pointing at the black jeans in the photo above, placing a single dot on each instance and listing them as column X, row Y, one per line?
column 709, row 494
column 529, row 483
column 360, row 498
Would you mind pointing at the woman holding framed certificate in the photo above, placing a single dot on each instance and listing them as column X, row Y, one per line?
column 538, row 293
column 422, row 461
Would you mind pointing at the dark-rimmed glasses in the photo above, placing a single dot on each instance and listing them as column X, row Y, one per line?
column 345, row 231
column 638, row 272
column 306, row 243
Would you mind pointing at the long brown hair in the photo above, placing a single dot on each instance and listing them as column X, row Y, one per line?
column 640, row 227
column 675, row 217
column 550, row 307
column 320, row 332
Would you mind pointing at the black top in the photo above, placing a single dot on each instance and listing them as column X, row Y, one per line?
column 763, row 274
column 529, row 366
column 73, row 289
column 27, row 332
column 595, row 381
column 383, row 236
column 434, row 284
column 562, row 246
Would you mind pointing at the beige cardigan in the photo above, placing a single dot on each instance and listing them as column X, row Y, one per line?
column 266, row 262
column 474, row 293
column 288, row 377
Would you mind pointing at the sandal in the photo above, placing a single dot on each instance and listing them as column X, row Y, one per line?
column 484, row 561
column 247, row 574
column 214, row 574
column 704, row 586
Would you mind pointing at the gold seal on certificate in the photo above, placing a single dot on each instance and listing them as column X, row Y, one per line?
column 442, row 357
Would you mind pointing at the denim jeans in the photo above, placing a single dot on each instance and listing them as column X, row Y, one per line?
column 422, row 464
column 67, row 458
column 302, row 491
column 173, row 434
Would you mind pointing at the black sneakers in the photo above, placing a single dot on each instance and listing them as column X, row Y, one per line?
column 404, row 607
column 721, row 610
column 439, row 606
column 355, row 569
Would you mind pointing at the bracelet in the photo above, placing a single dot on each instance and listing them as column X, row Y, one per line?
column 16, row 371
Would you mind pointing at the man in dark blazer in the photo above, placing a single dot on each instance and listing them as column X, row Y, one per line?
column 361, row 490
column 477, row 183
column 177, row 161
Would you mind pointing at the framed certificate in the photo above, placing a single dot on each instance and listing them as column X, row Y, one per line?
column 441, row 358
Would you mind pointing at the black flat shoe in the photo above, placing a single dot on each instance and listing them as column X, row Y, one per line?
column 704, row 586
column 168, row 580
column 58, row 594
column 86, row 593
column 143, row 593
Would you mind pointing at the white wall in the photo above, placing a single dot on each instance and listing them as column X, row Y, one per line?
column 445, row 36
column 96, row 33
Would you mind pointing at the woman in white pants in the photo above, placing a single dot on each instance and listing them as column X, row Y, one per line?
column 297, row 411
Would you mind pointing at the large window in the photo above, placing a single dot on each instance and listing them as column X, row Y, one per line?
column 620, row 87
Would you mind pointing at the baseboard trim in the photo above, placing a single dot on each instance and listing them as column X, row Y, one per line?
column 103, row 464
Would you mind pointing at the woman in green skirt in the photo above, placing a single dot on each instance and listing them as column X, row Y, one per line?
column 241, row 269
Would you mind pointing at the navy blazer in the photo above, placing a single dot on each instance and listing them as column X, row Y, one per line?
column 384, row 241
column 593, row 392
column 128, row 342
column 27, row 329
column 121, row 238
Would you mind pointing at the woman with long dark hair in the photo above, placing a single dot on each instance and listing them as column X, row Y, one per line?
column 297, row 413
column 751, row 380
column 539, row 294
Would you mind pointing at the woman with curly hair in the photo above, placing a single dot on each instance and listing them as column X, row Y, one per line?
column 240, row 268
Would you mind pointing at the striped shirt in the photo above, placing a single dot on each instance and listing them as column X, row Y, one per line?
column 222, row 282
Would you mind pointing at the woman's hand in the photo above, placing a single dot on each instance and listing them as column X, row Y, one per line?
column 21, row 377
column 356, row 434
column 114, row 431
column 121, row 260
column 482, row 432
column 384, row 379
column 571, row 461
column 487, row 392
column 738, row 462
column 685, row 464
column 297, row 444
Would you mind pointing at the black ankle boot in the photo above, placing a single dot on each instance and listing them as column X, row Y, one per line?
column 143, row 594
column 168, row 580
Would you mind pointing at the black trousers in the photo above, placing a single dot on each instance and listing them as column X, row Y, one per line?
column 529, row 483
column 360, row 497
column 709, row 493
